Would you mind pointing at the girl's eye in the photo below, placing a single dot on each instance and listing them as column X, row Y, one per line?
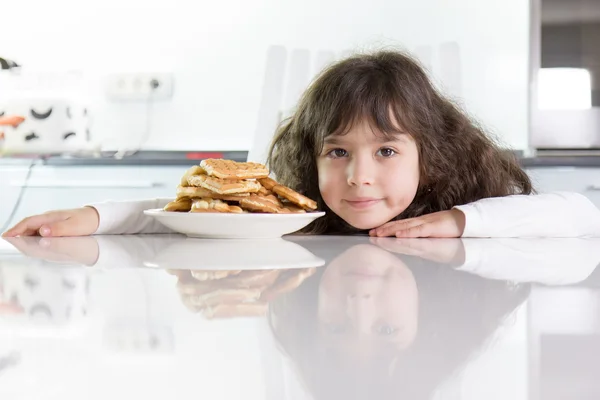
column 386, row 152
column 337, row 153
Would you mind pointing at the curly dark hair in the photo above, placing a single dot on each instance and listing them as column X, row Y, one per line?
column 459, row 163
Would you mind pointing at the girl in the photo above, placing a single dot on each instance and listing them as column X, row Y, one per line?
column 384, row 153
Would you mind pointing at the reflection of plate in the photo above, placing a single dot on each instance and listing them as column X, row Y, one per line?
column 234, row 254
column 238, row 226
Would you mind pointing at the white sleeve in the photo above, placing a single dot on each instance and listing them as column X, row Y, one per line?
column 557, row 214
column 127, row 217
column 546, row 261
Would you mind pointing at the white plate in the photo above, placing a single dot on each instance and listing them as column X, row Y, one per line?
column 234, row 254
column 233, row 226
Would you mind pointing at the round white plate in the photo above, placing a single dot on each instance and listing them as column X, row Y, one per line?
column 233, row 226
column 234, row 254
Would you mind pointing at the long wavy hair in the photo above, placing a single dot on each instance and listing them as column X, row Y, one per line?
column 459, row 163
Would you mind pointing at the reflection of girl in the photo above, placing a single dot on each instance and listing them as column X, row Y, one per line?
column 372, row 325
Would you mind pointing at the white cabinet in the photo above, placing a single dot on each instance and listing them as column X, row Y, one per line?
column 59, row 187
column 581, row 180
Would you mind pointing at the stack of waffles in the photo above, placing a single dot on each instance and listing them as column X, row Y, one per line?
column 226, row 186
column 229, row 294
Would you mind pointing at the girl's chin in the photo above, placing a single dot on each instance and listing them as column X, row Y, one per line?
column 366, row 223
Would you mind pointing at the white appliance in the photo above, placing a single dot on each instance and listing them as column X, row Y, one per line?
column 565, row 75
column 46, row 124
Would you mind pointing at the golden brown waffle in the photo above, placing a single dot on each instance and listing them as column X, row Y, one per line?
column 273, row 200
column 228, row 169
column 179, row 205
column 214, row 205
column 217, row 184
column 268, row 183
column 195, row 170
column 289, row 208
column 295, row 197
column 224, row 186
column 257, row 203
column 192, row 192
column 263, row 191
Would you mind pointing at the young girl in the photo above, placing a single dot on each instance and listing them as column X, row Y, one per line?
column 384, row 153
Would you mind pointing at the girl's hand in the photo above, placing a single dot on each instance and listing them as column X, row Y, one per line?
column 448, row 251
column 76, row 222
column 443, row 224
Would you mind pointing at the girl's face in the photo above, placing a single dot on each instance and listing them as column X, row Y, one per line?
column 368, row 298
column 366, row 179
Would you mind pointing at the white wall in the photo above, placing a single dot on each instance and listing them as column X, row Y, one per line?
column 217, row 52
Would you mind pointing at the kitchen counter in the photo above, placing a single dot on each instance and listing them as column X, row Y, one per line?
column 142, row 158
column 304, row 317
column 176, row 158
column 561, row 161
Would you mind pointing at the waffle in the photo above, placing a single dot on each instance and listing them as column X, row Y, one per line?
column 259, row 204
column 228, row 169
column 268, row 183
column 295, row 197
column 195, row 170
column 191, row 192
column 227, row 186
column 179, row 205
column 214, row 205
column 289, row 208
column 224, row 186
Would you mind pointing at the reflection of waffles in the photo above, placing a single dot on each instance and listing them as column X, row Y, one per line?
column 226, row 186
column 229, row 294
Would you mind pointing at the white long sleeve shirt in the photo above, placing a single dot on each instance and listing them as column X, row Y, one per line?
column 557, row 214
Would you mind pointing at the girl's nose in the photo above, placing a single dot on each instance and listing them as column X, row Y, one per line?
column 361, row 172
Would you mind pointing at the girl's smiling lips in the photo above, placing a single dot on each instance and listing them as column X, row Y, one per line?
column 362, row 202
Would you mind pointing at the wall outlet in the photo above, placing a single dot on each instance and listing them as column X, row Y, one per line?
column 139, row 86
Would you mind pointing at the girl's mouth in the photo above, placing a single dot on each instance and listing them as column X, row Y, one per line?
column 361, row 203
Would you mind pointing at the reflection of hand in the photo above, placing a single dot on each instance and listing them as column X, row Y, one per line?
column 443, row 224
column 76, row 222
column 228, row 294
column 79, row 250
column 439, row 250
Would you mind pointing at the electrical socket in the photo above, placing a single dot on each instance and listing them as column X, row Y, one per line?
column 141, row 86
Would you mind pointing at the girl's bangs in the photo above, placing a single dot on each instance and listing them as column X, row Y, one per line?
column 374, row 104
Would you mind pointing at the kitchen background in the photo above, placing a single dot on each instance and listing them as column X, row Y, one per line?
column 140, row 90
column 216, row 56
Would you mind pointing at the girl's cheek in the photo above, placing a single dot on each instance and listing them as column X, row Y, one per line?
column 324, row 176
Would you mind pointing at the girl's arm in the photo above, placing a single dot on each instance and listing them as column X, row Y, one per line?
column 558, row 214
column 127, row 217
